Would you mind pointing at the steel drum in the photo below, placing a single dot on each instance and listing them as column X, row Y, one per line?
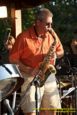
column 10, row 79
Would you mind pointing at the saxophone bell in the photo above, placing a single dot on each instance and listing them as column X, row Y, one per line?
column 50, row 69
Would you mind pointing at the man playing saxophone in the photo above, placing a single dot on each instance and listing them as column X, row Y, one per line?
column 34, row 52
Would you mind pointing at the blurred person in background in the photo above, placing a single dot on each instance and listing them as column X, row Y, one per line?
column 9, row 43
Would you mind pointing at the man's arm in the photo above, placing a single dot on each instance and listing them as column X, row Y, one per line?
column 59, row 47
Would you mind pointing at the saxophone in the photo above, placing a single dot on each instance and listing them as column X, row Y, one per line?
column 45, row 67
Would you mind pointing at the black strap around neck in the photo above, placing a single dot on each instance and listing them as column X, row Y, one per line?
column 35, row 31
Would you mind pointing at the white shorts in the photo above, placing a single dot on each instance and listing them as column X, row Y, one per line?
column 48, row 96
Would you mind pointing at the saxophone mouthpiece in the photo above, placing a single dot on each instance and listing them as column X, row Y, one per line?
column 50, row 31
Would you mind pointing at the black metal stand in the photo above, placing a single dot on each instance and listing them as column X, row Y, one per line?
column 36, row 83
column 73, row 74
column 71, row 71
column 36, row 98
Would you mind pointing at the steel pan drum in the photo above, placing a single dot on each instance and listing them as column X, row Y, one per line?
column 10, row 79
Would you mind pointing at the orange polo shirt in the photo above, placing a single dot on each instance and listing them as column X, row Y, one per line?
column 31, row 50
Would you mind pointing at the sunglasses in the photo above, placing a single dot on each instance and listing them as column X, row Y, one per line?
column 48, row 24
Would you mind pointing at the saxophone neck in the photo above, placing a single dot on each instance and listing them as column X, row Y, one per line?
column 52, row 32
